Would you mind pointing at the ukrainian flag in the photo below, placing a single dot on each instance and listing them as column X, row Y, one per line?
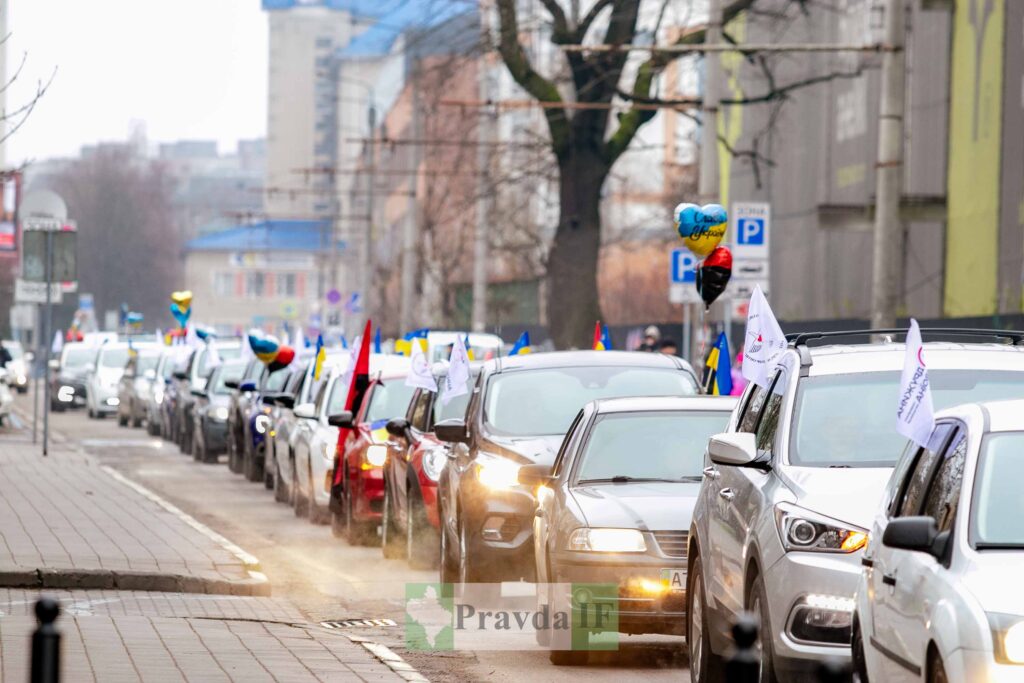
column 319, row 358
column 522, row 345
column 718, row 369
column 602, row 339
column 403, row 346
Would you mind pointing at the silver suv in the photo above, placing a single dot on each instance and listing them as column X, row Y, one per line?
column 789, row 492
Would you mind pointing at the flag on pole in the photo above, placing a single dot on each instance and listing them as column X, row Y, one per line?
column 318, row 358
column 298, row 339
column 359, row 381
column 344, row 342
column 717, row 379
column 765, row 341
column 58, row 343
column 469, row 348
column 420, row 374
column 213, row 358
column 456, row 382
column 522, row 345
column 602, row 340
column 376, row 341
column 915, row 413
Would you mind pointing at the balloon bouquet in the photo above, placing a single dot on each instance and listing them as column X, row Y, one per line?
column 269, row 350
column 181, row 309
column 702, row 229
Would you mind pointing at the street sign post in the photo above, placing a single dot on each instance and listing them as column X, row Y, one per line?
column 751, row 266
column 682, row 289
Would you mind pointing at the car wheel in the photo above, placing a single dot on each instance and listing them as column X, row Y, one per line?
column 468, row 570
column 936, row 670
column 860, row 665
column 392, row 544
column 357, row 533
column 136, row 421
column 234, row 462
column 757, row 604
column 280, row 488
column 268, row 477
column 299, row 499
column 92, row 414
column 449, row 567
column 122, row 420
column 248, row 463
column 151, row 428
column 543, row 635
column 421, row 543
column 198, row 452
column 317, row 514
column 705, row 665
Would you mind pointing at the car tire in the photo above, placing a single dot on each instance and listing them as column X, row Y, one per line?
column 317, row 515
column 234, row 462
column 449, row 568
column 136, row 421
column 152, row 428
column 757, row 604
column 936, row 669
column 392, row 543
column 705, row 665
column 92, row 414
column 281, row 493
column 357, row 533
column 122, row 420
column 198, row 452
column 268, row 477
column 543, row 635
column 860, row 665
column 421, row 542
column 469, row 572
column 300, row 502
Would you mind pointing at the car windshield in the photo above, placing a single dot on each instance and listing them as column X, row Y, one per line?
column 276, row 380
column 389, row 399
column 167, row 367
column 113, row 358
column 146, row 363
column 998, row 507
column 74, row 358
column 229, row 372
column 661, row 445
column 255, row 370
column 545, row 401
column 225, row 352
column 456, row 407
column 850, row 420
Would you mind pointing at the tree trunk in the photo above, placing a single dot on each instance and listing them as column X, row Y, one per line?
column 573, row 304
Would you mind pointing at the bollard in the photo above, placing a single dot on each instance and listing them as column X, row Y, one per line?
column 46, row 643
column 744, row 664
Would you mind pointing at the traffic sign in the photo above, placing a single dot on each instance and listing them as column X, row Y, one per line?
column 751, row 230
column 682, row 277
column 30, row 292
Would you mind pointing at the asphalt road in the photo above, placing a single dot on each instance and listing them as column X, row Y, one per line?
column 326, row 578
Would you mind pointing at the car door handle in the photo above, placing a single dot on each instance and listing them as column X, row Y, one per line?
column 727, row 494
column 711, row 472
column 889, row 579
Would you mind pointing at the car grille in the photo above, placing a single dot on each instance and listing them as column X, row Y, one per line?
column 672, row 543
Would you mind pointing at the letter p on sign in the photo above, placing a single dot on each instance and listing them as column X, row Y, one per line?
column 751, row 231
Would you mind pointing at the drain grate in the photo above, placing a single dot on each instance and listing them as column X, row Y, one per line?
column 358, row 623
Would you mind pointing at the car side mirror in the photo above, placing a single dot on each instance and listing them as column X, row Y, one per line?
column 918, row 534
column 247, row 385
column 285, row 400
column 231, row 383
column 305, row 411
column 736, row 449
column 342, row 419
column 198, row 393
column 398, row 427
column 535, row 475
column 451, row 431
column 179, row 374
column 269, row 399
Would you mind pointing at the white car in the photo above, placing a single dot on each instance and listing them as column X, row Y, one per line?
column 18, row 367
column 940, row 598
column 482, row 346
column 102, row 383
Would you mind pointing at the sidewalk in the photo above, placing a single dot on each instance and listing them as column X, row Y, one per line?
column 69, row 523
column 124, row 636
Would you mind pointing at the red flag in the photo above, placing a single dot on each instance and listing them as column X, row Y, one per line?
column 360, row 380
column 598, row 344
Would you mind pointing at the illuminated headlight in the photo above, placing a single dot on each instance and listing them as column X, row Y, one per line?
column 262, row 424
column 607, row 541
column 1008, row 637
column 377, row 455
column 433, row 462
column 496, row 472
column 66, row 394
column 823, row 619
column 22, row 380
column 220, row 413
column 802, row 529
column 113, row 401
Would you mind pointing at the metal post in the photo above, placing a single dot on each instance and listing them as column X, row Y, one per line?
column 410, row 230
column 35, row 373
column 888, row 249
column 687, row 333
column 46, row 643
column 49, row 333
column 364, row 248
column 484, row 212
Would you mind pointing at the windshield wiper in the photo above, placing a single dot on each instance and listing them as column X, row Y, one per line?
column 624, row 479
column 998, row 546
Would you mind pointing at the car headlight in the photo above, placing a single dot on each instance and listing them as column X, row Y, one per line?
column 377, row 455
column 802, row 529
column 262, row 424
column 158, row 395
column 433, row 462
column 220, row 413
column 607, row 541
column 1007, row 637
column 496, row 472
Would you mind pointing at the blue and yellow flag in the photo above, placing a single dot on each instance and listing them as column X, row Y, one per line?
column 602, row 339
column 718, row 369
column 376, row 341
column 319, row 358
column 469, row 349
column 522, row 345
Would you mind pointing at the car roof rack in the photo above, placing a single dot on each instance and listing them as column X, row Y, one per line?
column 1015, row 337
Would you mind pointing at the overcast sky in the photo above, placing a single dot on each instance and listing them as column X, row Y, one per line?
column 194, row 69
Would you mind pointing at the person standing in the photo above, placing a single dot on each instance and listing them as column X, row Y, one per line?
column 651, row 337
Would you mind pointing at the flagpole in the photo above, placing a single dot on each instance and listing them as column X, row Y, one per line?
column 686, row 333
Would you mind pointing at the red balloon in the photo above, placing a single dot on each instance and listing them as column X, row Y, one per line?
column 721, row 257
column 285, row 355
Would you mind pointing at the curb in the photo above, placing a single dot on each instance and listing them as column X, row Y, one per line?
column 106, row 579
column 387, row 656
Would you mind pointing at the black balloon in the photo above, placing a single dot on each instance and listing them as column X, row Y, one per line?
column 711, row 282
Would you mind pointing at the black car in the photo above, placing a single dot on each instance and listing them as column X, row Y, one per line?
column 210, row 411
column 193, row 376
column 520, row 410
column 68, row 375
column 258, row 421
column 243, row 393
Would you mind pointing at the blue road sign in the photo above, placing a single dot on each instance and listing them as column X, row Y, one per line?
column 750, row 232
column 683, row 267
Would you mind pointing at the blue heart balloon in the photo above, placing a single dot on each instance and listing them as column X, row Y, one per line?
column 180, row 315
column 688, row 217
column 713, row 214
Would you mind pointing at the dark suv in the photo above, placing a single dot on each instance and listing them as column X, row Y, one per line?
column 519, row 412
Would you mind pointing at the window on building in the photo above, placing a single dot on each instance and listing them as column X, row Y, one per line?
column 224, row 284
column 255, row 284
column 286, row 285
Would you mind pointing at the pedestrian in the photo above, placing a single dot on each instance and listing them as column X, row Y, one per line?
column 668, row 347
column 651, row 336
column 5, row 356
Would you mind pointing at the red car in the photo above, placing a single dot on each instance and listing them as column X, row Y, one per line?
column 365, row 452
column 410, row 523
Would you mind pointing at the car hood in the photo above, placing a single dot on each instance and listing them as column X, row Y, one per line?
column 847, row 494
column 525, row 449
column 78, row 372
column 989, row 576
column 657, row 506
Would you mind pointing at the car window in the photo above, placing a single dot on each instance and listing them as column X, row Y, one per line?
column 943, row 495
column 146, row 363
column 768, row 426
column 456, row 408
column 77, row 357
column 752, row 411
column 419, row 410
column 390, row 399
column 255, row 370
column 322, row 396
column 275, row 381
column 225, row 373
column 920, row 474
column 568, row 444
column 997, row 505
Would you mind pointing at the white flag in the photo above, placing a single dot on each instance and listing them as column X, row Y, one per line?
column 298, row 339
column 191, row 338
column 764, row 342
column 915, row 414
column 353, row 356
column 420, row 375
column 213, row 356
column 456, row 382
column 58, row 343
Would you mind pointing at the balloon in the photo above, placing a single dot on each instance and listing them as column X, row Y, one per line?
column 714, row 274
column 687, row 218
column 285, row 355
column 709, row 231
column 265, row 348
column 182, row 299
column 180, row 315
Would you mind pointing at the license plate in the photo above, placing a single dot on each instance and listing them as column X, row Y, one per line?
column 674, row 579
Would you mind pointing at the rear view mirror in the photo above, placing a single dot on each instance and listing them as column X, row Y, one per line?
column 285, row 400
column 398, row 427
column 535, row 475
column 732, row 448
column 198, row 393
column 342, row 419
column 305, row 411
column 231, row 383
column 918, row 534
column 269, row 399
column 451, row 431
column 180, row 374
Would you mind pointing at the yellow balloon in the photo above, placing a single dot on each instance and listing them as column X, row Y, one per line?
column 182, row 299
column 704, row 239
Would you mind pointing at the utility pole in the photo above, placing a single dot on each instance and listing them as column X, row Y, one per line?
column 366, row 269
column 486, row 129
column 886, row 284
column 410, row 231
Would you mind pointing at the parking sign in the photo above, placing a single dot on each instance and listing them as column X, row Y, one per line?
column 751, row 230
column 682, row 277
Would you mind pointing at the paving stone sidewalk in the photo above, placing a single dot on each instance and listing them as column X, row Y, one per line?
column 130, row 636
column 65, row 522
